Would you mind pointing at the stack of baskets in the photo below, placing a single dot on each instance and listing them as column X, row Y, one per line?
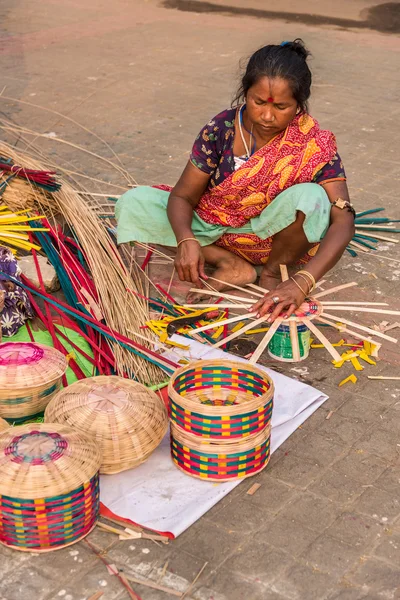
column 30, row 375
column 220, row 419
column 49, row 486
column 127, row 420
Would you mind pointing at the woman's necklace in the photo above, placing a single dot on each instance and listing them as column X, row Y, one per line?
column 248, row 151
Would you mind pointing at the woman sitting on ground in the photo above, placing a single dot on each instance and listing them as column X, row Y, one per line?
column 263, row 186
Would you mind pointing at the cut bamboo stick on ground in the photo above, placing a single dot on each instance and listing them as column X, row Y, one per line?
column 153, row 585
column 335, row 319
column 338, row 288
column 189, row 589
column 322, row 338
column 378, row 237
column 359, row 247
column 265, row 341
column 222, row 295
column 383, row 377
column 221, row 305
column 294, row 340
column 253, row 286
column 223, row 322
column 378, row 311
column 231, row 337
column 236, row 287
column 337, row 302
column 376, row 227
column 344, row 329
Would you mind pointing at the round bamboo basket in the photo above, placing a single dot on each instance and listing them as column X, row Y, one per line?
column 30, row 375
column 3, row 424
column 127, row 420
column 221, row 399
column 216, row 461
column 49, row 486
column 220, row 419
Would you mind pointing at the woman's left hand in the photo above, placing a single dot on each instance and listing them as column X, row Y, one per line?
column 290, row 298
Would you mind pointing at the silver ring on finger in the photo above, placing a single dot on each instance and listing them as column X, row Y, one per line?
column 276, row 299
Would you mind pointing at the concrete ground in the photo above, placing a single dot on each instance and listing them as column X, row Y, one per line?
column 325, row 523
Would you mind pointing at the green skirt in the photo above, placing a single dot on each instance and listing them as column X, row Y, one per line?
column 141, row 215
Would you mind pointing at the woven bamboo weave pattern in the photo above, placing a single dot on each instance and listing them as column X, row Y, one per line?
column 127, row 420
column 30, row 375
column 49, row 489
column 221, row 399
column 220, row 419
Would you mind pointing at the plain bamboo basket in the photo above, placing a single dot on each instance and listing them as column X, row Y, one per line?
column 49, row 486
column 3, row 424
column 220, row 419
column 30, row 375
column 127, row 420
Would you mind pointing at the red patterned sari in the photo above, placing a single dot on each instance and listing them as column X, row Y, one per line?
column 294, row 156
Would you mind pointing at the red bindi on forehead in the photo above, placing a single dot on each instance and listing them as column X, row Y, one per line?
column 270, row 99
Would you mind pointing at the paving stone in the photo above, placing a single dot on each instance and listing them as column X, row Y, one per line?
column 356, row 530
column 240, row 515
column 25, row 582
column 390, row 480
column 196, row 541
column 361, row 409
column 303, row 582
column 361, row 466
column 330, row 555
column 379, row 504
column 341, row 430
column 315, row 448
column 10, row 560
column 295, row 471
column 380, row 577
column 383, row 442
column 97, row 579
column 68, row 561
column 389, row 548
column 258, row 560
column 313, row 511
column 336, row 486
column 228, row 585
column 349, row 594
column 139, row 556
column 272, row 496
column 289, row 535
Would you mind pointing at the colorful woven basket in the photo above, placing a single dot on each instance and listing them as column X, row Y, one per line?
column 220, row 419
column 30, row 375
column 3, row 424
column 49, row 486
column 127, row 420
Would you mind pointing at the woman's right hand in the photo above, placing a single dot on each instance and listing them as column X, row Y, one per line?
column 189, row 262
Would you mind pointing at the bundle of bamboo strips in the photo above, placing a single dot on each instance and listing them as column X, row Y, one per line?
column 123, row 312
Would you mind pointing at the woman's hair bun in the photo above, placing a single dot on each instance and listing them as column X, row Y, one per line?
column 297, row 46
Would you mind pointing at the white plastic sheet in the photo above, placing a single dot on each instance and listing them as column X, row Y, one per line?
column 159, row 496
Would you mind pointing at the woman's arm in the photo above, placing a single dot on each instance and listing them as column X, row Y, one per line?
column 331, row 248
column 189, row 260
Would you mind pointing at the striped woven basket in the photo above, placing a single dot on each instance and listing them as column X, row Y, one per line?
column 127, row 420
column 30, row 375
column 49, row 486
column 220, row 419
column 3, row 424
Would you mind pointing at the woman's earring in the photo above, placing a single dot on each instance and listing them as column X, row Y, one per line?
column 298, row 111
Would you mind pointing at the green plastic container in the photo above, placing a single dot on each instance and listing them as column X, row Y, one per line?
column 280, row 346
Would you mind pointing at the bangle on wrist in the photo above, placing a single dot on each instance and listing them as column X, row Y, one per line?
column 188, row 240
column 299, row 286
column 303, row 274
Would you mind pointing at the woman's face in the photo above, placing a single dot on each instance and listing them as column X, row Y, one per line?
column 270, row 105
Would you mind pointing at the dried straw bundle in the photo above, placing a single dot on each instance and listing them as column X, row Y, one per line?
column 30, row 375
column 127, row 420
column 49, row 487
column 123, row 312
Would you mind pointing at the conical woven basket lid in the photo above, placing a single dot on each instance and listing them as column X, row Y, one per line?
column 28, row 364
column 126, row 418
column 3, row 424
column 40, row 460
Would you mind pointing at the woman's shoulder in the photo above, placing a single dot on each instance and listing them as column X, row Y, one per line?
column 221, row 123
